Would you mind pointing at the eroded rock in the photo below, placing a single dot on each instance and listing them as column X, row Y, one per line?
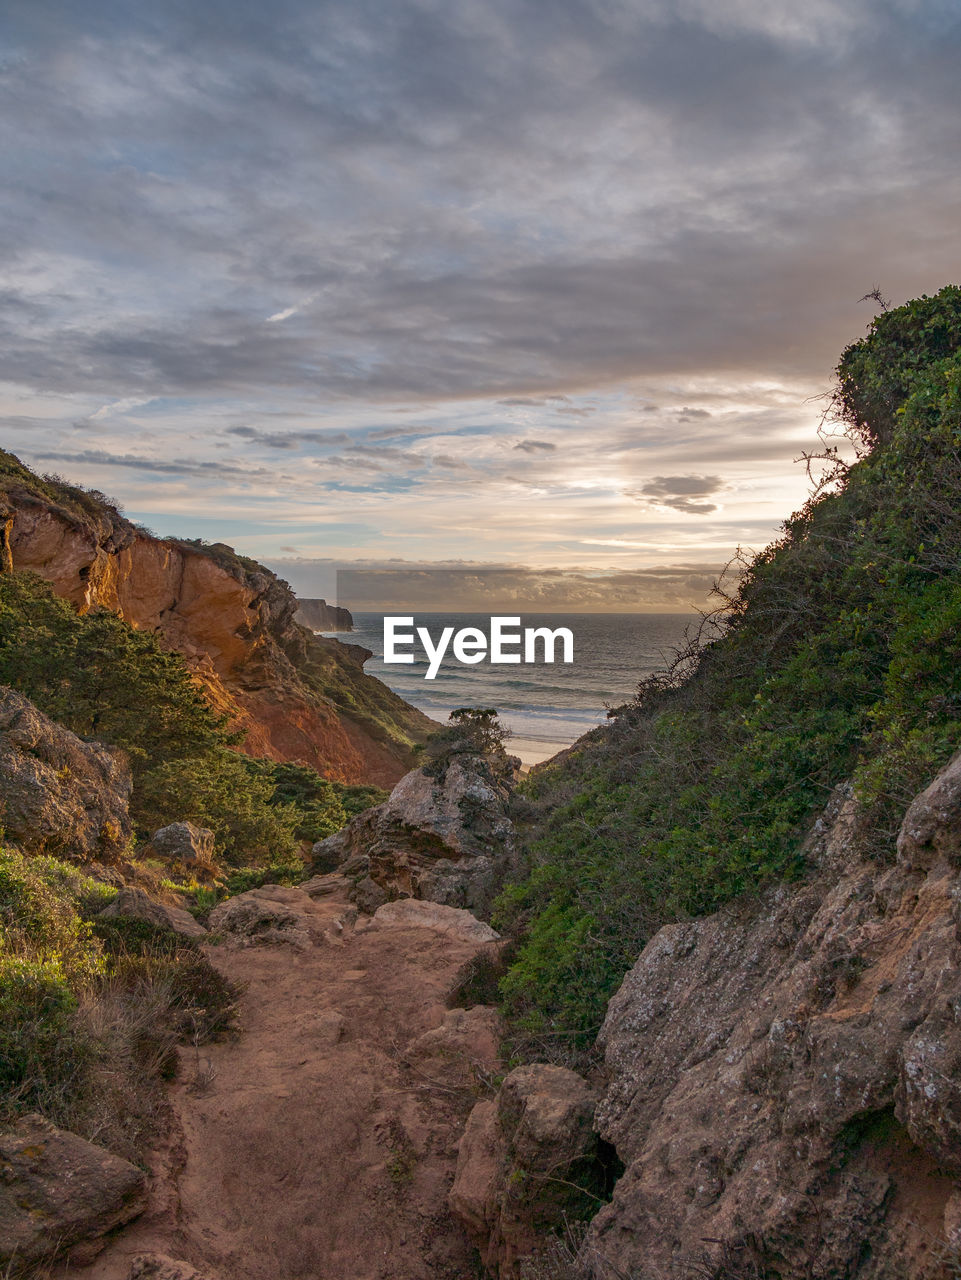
column 784, row 1075
column 932, row 824
column 135, row 904
column 521, row 1161
column 60, row 795
column 59, row 1193
column 445, row 837
column 279, row 914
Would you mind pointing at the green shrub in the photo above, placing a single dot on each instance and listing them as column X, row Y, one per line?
column 91, row 1012
column 44, row 1050
column 104, row 680
column 218, row 790
column 322, row 806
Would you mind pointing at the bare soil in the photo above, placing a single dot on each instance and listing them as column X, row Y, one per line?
column 305, row 1149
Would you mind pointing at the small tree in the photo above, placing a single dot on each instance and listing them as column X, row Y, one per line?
column 470, row 731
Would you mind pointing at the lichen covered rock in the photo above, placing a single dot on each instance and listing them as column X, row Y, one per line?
column 59, row 1193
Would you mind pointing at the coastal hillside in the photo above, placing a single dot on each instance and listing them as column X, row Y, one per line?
column 835, row 656
column 292, row 695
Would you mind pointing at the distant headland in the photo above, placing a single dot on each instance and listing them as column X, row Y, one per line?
column 321, row 616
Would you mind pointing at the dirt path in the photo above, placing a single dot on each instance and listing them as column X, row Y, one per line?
column 308, row 1148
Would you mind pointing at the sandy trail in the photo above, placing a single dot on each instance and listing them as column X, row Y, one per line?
column 306, row 1149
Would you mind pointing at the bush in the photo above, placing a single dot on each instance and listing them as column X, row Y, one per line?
column 469, row 731
column 43, row 1048
column 321, row 806
column 218, row 790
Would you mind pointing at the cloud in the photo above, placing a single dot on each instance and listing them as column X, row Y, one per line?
column 289, row 439
column 428, row 184
column 285, row 225
column 535, row 446
column 172, row 467
column 687, row 494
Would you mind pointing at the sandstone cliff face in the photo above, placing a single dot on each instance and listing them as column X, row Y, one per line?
column 784, row 1076
column 294, row 696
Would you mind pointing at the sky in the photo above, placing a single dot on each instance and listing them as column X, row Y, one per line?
column 461, row 282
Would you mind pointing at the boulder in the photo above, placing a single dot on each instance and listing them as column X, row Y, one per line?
column 446, row 837
column 135, row 904
column 411, row 913
column 59, row 794
column 187, row 846
column 521, row 1162
column 59, row 1193
column 279, row 913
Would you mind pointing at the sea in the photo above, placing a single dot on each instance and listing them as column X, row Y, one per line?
column 545, row 706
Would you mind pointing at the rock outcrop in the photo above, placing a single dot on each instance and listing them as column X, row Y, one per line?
column 60, row 1194
column 785, row 1076
column 189, row 848
column 60, row 795
column 132, row 903
column 276, row 913
column 293, row 695
column 519, row 1163
column 318, row 615
column 446, row 837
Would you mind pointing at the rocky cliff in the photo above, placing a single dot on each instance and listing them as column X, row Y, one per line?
column 784, row 1076
column 318, row 615
column 782, row 1080
column 293, row 695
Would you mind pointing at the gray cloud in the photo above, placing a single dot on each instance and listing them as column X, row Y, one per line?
column 289, row 439
column 173, row 467
column 535, row 446
column 688, row 494
column 420, row 188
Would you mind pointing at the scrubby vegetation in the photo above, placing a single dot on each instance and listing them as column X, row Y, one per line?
column 322, row 806
column 837, row 656
column 469, row 731
column 91, row 1013
column 104, row 680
